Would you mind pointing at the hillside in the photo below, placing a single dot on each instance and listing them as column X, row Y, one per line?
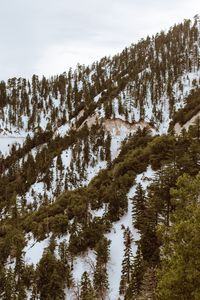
column 95, row 167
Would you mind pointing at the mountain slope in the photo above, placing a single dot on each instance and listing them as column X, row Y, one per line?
column 85, row 140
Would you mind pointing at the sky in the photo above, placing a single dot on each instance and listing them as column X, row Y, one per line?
column 47, row 37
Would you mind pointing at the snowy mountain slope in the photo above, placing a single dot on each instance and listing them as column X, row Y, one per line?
column 119, row 129
column 68, row 181
column 34, row 249
column 181, row 89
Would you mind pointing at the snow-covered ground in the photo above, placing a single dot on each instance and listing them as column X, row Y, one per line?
column 62, row 130
column 181, row 90
column 6, row 143
column 34, row 250
column 37, row 191
column 93, row 171
column 120, row 130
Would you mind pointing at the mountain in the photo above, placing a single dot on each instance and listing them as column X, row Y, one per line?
column 95, row 167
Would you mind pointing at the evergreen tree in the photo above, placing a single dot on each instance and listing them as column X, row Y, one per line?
column 178, row 277
column 51, row 277
column 148, row 286
column 66, row 261
column 127, row 262
column 138, row 269
column 139, row 208
column 7, row 285
column 108, row 148
column 87, row 291
column 101, row 283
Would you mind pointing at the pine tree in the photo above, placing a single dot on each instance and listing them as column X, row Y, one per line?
column 101, row 283
column 139, row 208
column 59, row 163
column 148, row 286
column 127, row 262
column 19, row 278
column 8, row 289
column 66, row 260
column 87, row 291
column 108, row 148
column 138, row 269
column 51, row 277
column 178, row 275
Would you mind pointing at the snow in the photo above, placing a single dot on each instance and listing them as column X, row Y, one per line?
column 120, row 127
column 187, row 81
column 6, row 142
column 164, row 125
column 85, row 263
column 11, row 263
column 62, row 130
column 36, row 192
column 148, row 106
column 91, row 172
column 119, row 130
column 98, row 212
column 96, row 98
column 34, row 250
column 181, row 89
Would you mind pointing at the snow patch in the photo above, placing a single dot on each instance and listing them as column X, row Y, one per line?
column 34, row 250
column 7, row 141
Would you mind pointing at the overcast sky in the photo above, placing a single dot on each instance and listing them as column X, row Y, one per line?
column 48, row 36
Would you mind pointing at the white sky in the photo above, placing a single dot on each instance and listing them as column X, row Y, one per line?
column 48, row 36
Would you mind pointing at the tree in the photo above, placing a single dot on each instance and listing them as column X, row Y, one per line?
column 65, row 260
column 87, row 291
column 148, row 285
column 180, row 264
column 108, row 148
column 139, row 207
column 194, row 129
column 7, row 284
column 51, row 277
column 137, row 273
column 127, row 262
column 101, row 283
column 59, row 163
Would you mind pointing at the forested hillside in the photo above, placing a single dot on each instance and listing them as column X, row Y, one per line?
column 99, row 176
